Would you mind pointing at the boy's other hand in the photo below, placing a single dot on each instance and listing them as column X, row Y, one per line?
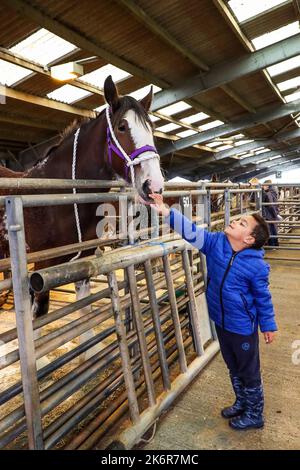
column 269, row 336
column 159, row 205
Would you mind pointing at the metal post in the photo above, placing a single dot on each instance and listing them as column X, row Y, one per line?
column 157, row 326
column 192, row 303
column 124, row 352
column 227, row 207
column 174, row 313
column 15, row 219
column 139, row 324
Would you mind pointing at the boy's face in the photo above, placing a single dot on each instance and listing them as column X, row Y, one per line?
column 241, row 230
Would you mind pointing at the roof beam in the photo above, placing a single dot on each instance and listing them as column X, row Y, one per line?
column 263, row 166
column 234, row 25
column 85, row 43
column 46, row 102
column 284, row 166
column 231, row 70
column 161, row 32
column 16, row 59
column 265, row 114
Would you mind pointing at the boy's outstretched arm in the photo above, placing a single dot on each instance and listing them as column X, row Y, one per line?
column 193, row 234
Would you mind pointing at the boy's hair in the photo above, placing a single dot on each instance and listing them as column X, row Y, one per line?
column 261, row 232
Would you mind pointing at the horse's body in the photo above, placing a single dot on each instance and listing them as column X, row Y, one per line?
column 53, row 226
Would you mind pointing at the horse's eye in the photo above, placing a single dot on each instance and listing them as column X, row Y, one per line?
column 122, row 128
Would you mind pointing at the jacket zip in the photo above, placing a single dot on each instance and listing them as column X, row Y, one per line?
column 222, row 283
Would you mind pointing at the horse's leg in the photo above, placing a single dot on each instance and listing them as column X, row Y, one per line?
column 83, row 289
column 40, row 307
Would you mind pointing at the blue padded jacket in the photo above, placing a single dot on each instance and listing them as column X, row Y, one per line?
column 238, row 295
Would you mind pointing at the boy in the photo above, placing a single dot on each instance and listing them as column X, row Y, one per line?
column 238, row 301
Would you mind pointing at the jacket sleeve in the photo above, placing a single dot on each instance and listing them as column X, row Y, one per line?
column 263, row 300
column 193, row 234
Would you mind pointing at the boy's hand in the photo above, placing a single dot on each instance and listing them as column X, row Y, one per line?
column 269, row 336
column 159, row 205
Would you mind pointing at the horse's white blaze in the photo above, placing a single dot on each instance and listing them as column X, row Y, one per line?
column 150, row 169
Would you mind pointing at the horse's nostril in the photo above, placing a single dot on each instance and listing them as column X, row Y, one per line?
column 146, row 187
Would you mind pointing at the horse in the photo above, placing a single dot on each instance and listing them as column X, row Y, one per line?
column 117, row 144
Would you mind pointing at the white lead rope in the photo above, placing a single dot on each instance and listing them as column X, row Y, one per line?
column 74, row 192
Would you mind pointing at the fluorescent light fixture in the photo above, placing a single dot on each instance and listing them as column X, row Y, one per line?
column 245, row 9
column 153, row 118
column 195, row 118
column 186, row 133
column 243, row 142
column 175, row 108
column 168, row 127
column 67, row 71
column 68, row 94
column 276, row 35
column 211, row 125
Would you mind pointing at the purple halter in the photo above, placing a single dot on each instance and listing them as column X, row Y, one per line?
column 130, row 160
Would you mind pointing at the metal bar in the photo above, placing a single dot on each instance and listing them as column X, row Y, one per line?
column 192, row 302
column 53, row 183
column 141, row 334
column 157, row 325
column 121, row 335
column 15, row 219
column 174, row 313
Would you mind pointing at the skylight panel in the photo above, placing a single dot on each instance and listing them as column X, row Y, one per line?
column 224, row 147
column 276, row 35
column 43, row 47
column 186, row 133
column 245, row 9
column 100, row 108
column 154, row 118
column 284, row 66
column 168, row 127
column 97, row 77
column 243, row 142
column 68, row 94
column 142, row 92
column 211, row 125
column 292, row 97
column 257, row 152
column 213, row 144
column 175, row 108
column 195, row 118
column 291, row 83
column 11, row 73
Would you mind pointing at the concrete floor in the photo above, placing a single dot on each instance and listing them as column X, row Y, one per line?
column 194, row 422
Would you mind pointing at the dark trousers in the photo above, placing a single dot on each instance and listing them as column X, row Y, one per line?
column 241, row 355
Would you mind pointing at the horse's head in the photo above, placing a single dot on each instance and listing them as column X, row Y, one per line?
column 131, row 151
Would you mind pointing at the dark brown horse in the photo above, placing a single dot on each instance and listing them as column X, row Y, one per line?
column 48, row 227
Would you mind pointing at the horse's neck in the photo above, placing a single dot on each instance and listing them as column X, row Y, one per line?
column 88, row 157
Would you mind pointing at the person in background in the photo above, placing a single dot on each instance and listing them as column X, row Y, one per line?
column 270, row 212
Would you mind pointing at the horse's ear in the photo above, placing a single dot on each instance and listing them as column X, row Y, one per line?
column 147, row 100
column 111, row 93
